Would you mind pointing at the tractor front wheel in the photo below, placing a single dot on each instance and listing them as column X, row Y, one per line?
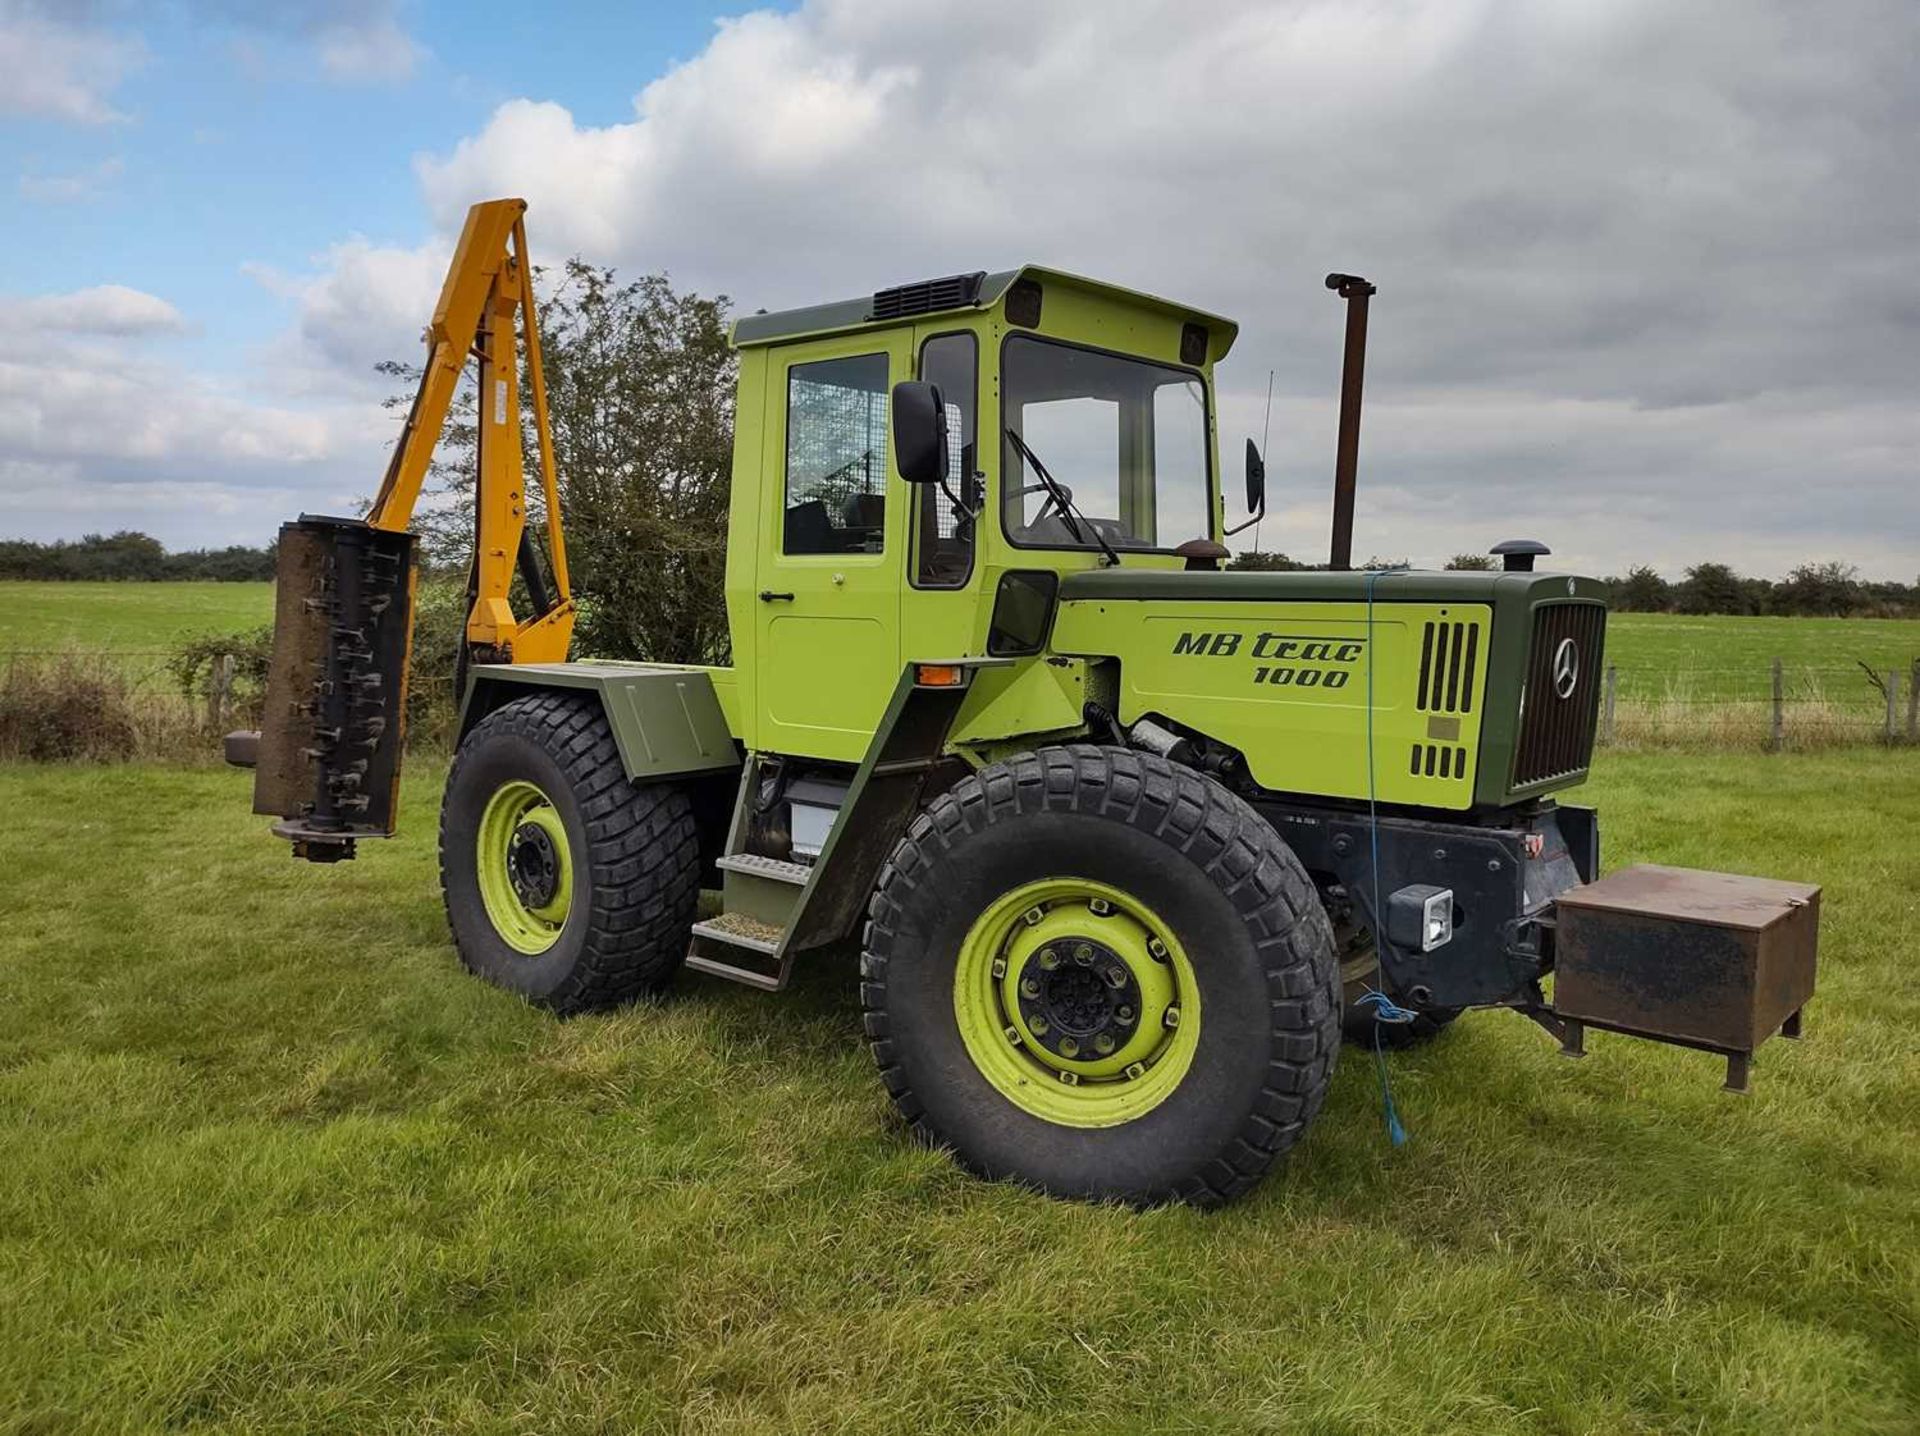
column 1101, row 974
column 564, row 881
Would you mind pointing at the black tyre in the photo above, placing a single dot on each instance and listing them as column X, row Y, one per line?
column 564, row 881
column 1079, row 910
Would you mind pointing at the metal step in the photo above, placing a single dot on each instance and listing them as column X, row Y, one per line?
column 745, row 935
column 774, row 869
column 739, row 931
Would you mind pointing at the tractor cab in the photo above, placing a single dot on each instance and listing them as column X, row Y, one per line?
column 1074, row 430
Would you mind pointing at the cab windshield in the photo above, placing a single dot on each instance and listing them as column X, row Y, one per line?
column 1127, row 438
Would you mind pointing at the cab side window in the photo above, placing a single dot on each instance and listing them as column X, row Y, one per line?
column 943, row 535
column 836, row 456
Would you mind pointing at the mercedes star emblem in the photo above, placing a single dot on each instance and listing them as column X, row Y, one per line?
column 1566, row 668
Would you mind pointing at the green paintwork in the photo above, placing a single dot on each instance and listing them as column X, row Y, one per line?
column 1103, row 1091
column 529, row 930
column 1314, row 740
column 667, row 719
column 840, row 316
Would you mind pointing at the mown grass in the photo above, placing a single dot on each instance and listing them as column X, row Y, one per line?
column 1717, row 656
column 147, row 617
column 271, row 1161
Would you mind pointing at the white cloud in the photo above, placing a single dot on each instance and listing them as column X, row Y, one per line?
column 371, row 50
column 55, row 68
column 74, row 187
column 365, row 303
column 95, row 420
column 102, row 309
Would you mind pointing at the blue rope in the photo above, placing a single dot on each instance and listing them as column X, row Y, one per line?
column 1385, row 1010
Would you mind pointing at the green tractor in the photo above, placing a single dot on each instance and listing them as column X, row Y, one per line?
column 1126, row 837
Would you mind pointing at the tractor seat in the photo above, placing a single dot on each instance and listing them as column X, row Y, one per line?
column 864, row 511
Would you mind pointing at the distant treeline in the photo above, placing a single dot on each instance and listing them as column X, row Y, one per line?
column 1813, row 590
column 130, row 555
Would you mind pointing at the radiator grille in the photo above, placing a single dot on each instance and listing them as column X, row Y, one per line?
column 1438, row 760
column 1449, row 653
column 1557, row 717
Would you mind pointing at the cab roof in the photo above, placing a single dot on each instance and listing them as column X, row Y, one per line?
column 958, row 292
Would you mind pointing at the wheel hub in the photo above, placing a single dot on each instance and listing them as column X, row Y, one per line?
column 533, row 865
column 1079, row 999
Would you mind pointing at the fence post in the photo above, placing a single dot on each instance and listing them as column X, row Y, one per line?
column 1779, row 709
column 1913, row 703
column 1613, row 691
column 219, row 689
column 1893, row 703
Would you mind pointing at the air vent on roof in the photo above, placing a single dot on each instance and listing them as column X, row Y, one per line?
column 928, row 296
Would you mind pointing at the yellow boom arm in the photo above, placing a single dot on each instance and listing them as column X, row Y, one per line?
column 489, row 282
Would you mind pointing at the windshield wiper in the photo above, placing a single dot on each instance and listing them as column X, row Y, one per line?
column 1062, row 497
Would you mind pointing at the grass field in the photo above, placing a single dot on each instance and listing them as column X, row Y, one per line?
column 123, row 616
column 272, row 1162
column 1715, row 656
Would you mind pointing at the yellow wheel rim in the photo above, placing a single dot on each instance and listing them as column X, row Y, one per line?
column 1077, row 1002
column 525, row 867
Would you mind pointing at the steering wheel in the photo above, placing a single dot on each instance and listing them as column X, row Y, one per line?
column 1051, row 506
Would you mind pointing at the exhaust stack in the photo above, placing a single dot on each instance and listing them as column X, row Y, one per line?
column 1356, row 291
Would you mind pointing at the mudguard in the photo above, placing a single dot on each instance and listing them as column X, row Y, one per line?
column 666, row 718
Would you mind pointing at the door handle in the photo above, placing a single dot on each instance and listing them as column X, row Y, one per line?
column 767, row 595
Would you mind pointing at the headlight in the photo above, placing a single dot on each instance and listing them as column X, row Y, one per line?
column 1420, row 917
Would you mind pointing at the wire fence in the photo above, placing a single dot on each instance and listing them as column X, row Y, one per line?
column 1775, row 705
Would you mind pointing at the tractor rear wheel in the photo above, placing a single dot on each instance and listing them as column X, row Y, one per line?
column 1101, row 974
column 564, row 881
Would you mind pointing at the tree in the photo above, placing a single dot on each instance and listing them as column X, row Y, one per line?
column 1642, row 591
column 1712, row 588
column 1820, row 590
column 640, row 394
column 1267, row 562
column 1471, row 563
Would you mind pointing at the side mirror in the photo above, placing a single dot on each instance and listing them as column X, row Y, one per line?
column 1256, row 490
column 919, row 433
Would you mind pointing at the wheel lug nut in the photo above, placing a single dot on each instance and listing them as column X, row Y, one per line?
column 1069, row 1048
column 1116, row 976
column 1134, row 1071
column 1083, row 954
column 1033, row 916
column 1100, row 906
column 1157, row 948
column 1039, row 1026
column 1103, row 1044
column 1172, row 1017
column 1124, row 1013
column 999, row 967
column 1049, row 959
column 1029, row 988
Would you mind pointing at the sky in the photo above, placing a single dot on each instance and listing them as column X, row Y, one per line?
column 1647, row 272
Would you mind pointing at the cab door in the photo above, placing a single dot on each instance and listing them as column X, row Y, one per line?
column 830, row 564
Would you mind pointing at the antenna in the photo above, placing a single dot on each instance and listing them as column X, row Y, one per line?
column 1266, row 427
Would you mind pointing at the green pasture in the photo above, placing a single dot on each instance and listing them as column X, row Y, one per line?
column 145, row 617
column 1662, row 655
column 273, row 1162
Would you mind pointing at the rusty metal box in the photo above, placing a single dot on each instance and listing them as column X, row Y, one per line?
column 1711, row 960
